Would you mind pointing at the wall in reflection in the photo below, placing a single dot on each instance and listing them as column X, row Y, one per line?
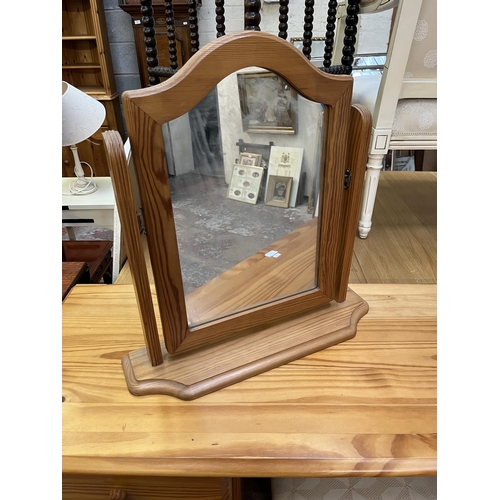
column 306, row 135
column 192, row 141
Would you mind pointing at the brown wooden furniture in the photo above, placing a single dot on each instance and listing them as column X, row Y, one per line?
column 96, row 253
column 346, row 133
column 366, row 407
column 157, row 66
column 162, row 36
column 86, row 64
column 73, row 273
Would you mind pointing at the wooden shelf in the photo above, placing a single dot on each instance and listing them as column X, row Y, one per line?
column 86, row 59
column 107, row 97
column 81, row 66
column 78, row 17
column 78, row 37
column 87, row 65
column 93, row 90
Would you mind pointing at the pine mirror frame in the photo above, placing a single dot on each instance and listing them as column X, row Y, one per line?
column 147, row 109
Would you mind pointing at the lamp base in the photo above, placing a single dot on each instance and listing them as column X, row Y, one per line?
column 82, row 186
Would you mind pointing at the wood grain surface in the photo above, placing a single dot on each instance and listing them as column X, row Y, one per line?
column 147, row 109
column 259, row 279
column 402, row 246
column 364, row 407
column 216, row 366
column 122, row 186
column 108, row 487
column 71, row 273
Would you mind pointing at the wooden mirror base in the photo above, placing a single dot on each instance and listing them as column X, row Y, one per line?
column 207, row 369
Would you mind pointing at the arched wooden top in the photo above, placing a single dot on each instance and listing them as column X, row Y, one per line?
column 231, row 53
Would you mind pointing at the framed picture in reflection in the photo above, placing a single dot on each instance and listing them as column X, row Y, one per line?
column 287, row 162
column 278, row 191
column 245, row 183
column 250, row 159
column 268, row 104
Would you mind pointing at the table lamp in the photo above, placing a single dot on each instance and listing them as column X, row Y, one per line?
column 82, row 116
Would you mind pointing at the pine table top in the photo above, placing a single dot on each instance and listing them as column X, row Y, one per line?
column 364, row 407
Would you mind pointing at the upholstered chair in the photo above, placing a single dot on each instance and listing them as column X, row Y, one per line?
column 403, row 98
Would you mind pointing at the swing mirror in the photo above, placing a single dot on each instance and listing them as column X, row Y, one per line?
column 229, row 156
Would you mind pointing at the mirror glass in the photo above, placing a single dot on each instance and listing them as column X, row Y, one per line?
column 244, row 173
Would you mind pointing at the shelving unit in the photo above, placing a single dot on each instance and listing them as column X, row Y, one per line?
column 87, row 65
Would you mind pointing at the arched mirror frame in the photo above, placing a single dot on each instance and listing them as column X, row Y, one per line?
column 147, row 109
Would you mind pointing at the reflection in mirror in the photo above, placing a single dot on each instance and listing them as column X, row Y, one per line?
column 244, row 170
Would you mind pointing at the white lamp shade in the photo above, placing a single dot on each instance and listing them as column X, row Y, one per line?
column 82, row 115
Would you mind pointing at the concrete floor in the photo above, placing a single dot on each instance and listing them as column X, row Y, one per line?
column 215, row 233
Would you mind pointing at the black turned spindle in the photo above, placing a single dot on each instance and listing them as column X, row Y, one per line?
column 252, row 15
column 330, row 32
column 351, row 30
column 149, row 39
column 283, row 25
column 308, row 27
column 193, row 26
column 219, row 18
column 337, row 70
column 162, row 71
column 172, row 46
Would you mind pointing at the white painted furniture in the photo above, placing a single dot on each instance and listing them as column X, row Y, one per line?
column 97, row 209
column 365, row 7
column 403, row 99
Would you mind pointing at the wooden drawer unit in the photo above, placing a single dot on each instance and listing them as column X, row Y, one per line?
column 97, row 487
